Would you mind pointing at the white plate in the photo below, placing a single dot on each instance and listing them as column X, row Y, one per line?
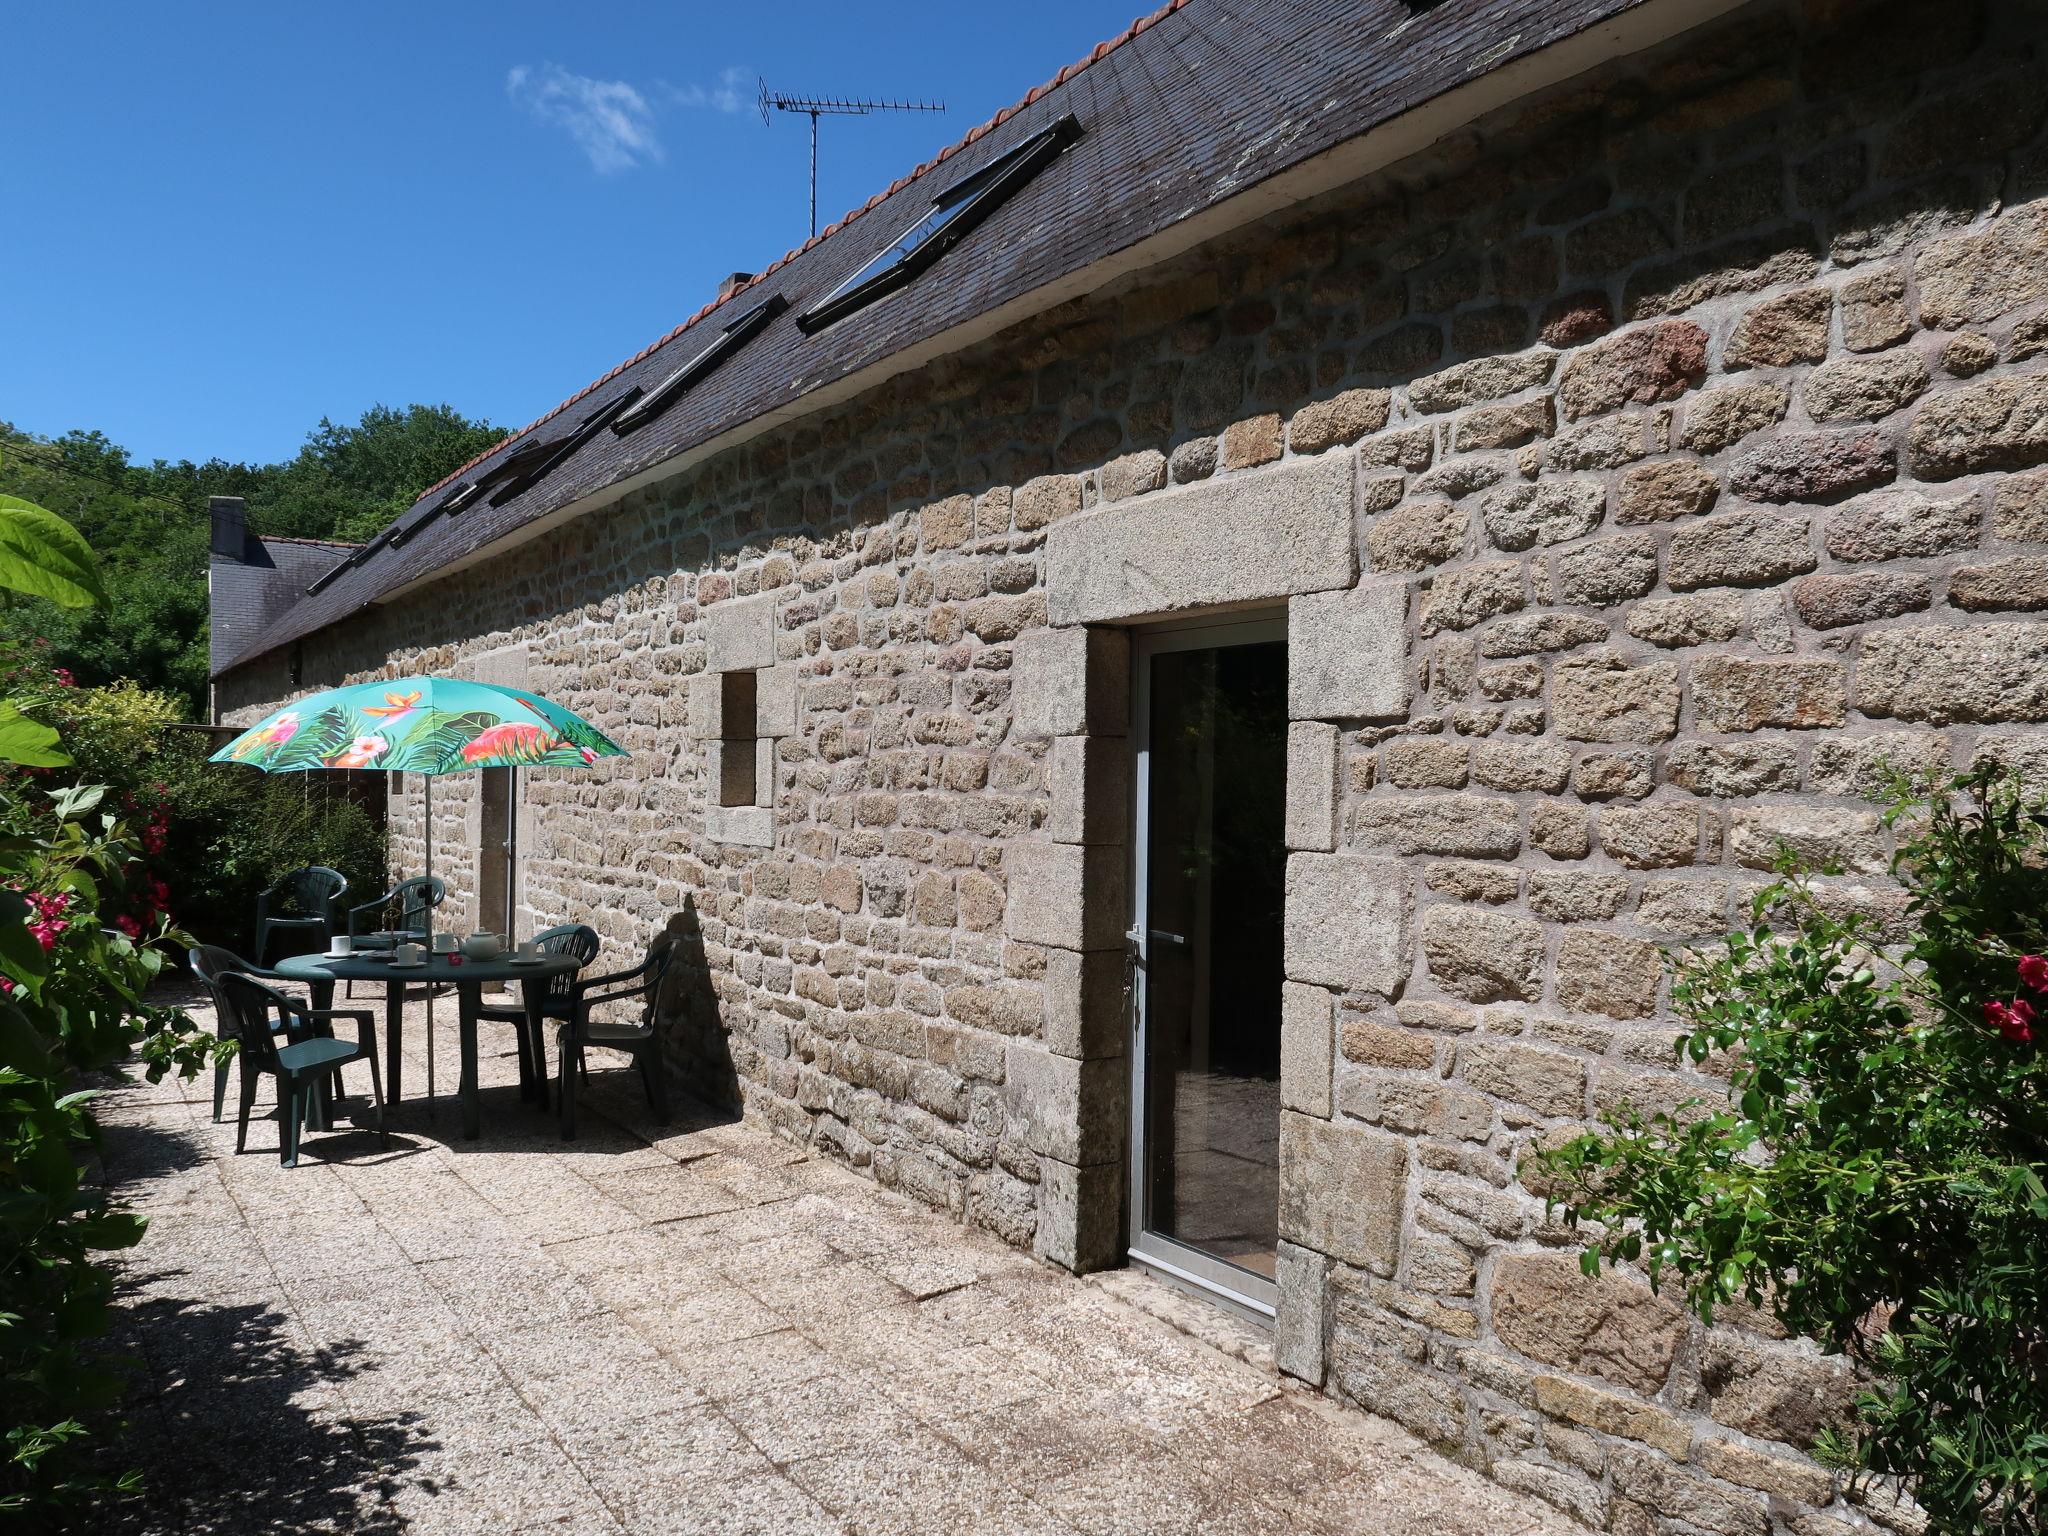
column 526, row 959
column 407, row 965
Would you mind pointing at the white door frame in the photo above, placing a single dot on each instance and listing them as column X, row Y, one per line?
column 1240, row 1290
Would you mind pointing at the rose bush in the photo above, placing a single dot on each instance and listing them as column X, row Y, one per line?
column 1877, row 1178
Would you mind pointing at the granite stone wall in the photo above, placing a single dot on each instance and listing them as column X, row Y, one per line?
column 1641, row 473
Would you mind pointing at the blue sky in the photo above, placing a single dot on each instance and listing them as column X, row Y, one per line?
column 228, row 220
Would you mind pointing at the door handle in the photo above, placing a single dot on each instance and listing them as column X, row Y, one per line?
column 1164, row 937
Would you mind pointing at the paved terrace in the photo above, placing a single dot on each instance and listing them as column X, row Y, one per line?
column 702, row 1329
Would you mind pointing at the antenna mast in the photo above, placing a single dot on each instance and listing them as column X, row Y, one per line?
column 832, row 106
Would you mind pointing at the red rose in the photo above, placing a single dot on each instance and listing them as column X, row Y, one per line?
column 2014, row 1020
column 2034, row 972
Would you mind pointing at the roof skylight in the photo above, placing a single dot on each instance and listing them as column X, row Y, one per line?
column 547, row 455
column 729, row 340
column 952, row 214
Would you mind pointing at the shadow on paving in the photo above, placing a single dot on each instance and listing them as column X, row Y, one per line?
column 232, row 1416
column 226, row 1424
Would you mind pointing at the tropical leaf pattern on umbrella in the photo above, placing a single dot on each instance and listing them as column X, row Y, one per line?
column 421, row 725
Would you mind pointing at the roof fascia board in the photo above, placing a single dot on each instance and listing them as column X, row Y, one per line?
column 1645, row 26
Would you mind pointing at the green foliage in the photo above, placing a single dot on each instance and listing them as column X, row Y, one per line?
column 148, row 525
column 1878, row 1178
column 71, row 1002
column 233, row 831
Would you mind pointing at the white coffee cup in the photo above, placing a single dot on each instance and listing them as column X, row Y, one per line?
column 340, row 945
column 407, row 954
column 529, row 949
column 444, row 943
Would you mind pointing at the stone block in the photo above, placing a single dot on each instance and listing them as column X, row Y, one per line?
column 748, row 826
column 1342, row 1191
column 1426, row 762
column 1738, row 549
column 2018, row 583
column 1311, row 820
column 1548, row 1082
column 1072, row 682
column 1080, row 1215
column 739, row 633
column 1084, row 1003
column 1723, row 417
column 1483, row 957
column 1604, row 572
column 1660, row 836
column 1698, row 618
column 1470, row 826
column 1306, row 1015
column 1472, row 594
column 1070, row 895
column 2020, row 508
column 1613, row 1413
column 2002, row 424
column 1865, row 388
column 1421, row 532
column 1834, row 600
column 1091, row 789
column 1300, row 1320
column 1895, row 525
column 1242, row 539
column 1063, row 1107
column 1347, row 655
column 1637, row 367
column 1777, row 333
column 1819, row 836
column 1341, row 419
column 775, row 702
column 1482, row 379
column 1613, row 1326
column 1818, row 466
column 1774, row 1392
column 707, row 707
column 1965, row 279
column 1863, row 765
column 1988, row 674
column 1736, row 693
column 1601, row 697
column 1347, row 922
column 1665, row 489
column 1543, row 512
column 1606, row 974
column 764, row 768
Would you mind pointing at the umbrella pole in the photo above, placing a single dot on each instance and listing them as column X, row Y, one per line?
column 430, row 940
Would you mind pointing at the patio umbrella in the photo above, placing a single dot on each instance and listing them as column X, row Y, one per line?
column 424, row 725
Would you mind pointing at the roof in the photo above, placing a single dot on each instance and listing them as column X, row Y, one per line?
column 1189, row 108
column 249, row 595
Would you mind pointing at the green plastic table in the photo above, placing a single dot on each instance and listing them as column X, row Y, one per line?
column 469, row 978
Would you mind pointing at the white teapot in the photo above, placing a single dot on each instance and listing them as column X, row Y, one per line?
column 483, row 946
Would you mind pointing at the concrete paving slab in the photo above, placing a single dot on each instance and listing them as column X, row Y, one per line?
column 698, row 1329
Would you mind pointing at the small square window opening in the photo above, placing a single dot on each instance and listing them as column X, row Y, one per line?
column 736, row 732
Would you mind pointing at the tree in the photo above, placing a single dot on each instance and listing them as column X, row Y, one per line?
column 148, row 523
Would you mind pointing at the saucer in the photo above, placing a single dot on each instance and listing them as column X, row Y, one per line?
column 408, row 965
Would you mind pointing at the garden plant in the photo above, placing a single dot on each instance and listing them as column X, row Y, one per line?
column 72, row 985
column 1878, row 1176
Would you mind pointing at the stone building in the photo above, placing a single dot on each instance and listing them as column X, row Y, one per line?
column 1179, row 716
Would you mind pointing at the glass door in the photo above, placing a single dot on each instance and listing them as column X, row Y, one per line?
column 1205, row 955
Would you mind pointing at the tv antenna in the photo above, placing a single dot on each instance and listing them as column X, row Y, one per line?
column 832, row 106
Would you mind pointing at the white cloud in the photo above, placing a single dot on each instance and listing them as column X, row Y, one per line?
column 729, row 95
column 610, row 120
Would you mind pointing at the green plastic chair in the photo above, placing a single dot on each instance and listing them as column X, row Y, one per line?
column 641, row 1041
column 409, row 906
column 558, row 998
column 311, row 893
column 210, row 962
column 303, row 1067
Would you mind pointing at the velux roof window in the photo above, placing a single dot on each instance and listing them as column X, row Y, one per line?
column 952, row 214
column 730, row 338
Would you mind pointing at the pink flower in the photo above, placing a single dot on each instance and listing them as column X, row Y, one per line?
column 47, row 931
column 2034, row 972
column 128, row 925
column 64, row 677
column 2014, row 1020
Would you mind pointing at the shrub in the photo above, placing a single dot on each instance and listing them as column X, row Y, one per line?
column 1878, row 1179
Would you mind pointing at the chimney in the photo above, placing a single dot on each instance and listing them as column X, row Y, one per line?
column 230, row 528
column 734, row 281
